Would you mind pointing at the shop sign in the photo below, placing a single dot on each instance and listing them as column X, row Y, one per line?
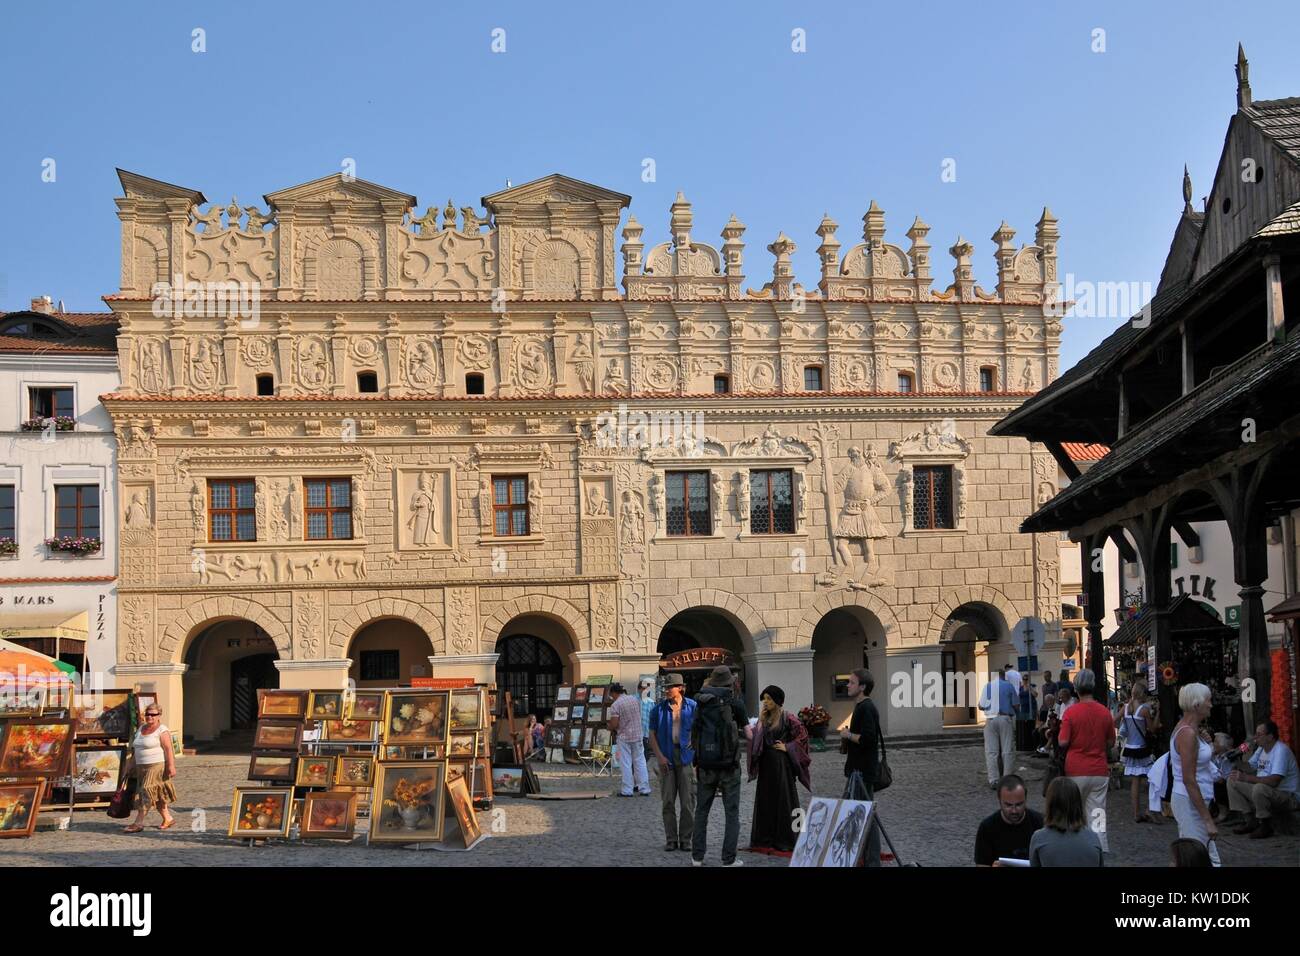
column 442, row 683
column 697, row 658
column 1232, row 615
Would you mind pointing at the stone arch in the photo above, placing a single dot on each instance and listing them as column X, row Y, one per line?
column 367, row 251
column 212, row 610
column 360, row 615
column 954, row 598
column 546, row 264
column 554, row 608
column 755, row 636
column 148, row 264
column 830, row 601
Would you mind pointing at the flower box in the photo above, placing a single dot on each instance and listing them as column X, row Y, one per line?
column 64, row 423
column 70, row 545
column 8, row 546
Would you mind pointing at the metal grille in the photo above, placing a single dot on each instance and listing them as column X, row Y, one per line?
column 771, row 502
column 932, row 497
column 688, row 503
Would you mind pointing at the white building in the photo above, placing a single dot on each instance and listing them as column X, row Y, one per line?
column 57, row 480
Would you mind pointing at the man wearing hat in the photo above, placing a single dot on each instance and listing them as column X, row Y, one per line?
column 625, row 720
column 716, row 731
column 669, row 728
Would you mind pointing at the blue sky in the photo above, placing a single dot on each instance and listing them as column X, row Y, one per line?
column 712, row 92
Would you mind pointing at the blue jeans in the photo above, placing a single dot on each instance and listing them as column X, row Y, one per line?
column 708, row 783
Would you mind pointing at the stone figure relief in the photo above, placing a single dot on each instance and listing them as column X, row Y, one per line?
column 959, row 489
column 741, row 481
column 597, row 503
column 295, row 510
column 532, row 364
column 614, row 382
column 534, row 504
column 658, row 499
column 800, row 501
column 863, row 485
column 257, row 350
column 907, row 486
column 206, row 364
column 475, row 351
column 359, row 499
column 353, row 564
column 423, row 507
column 1028, row 380
column 717, row 496
column 422, row 366
column 313, row 363
column 632, row 520
column 150, row 378
column 137, row 512
column 199, row 510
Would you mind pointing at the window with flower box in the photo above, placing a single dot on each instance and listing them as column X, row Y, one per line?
column 8, row 521
column 76, row 511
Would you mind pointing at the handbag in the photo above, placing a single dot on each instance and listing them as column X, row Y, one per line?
column 884, row 776
column 120, row 804
column 1137, row 753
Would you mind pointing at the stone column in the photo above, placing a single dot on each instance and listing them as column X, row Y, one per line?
column 791, row 670
column 314, row 674
column 593, row 663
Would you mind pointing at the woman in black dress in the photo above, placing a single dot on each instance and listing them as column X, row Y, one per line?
column 778, row 756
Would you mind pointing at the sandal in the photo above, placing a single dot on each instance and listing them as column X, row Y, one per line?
column 133, row 828
column 168, row 825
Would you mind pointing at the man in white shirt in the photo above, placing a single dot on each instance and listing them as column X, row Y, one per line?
column 1275, row 784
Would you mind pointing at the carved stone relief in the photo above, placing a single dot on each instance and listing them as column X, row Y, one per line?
column 425, row 508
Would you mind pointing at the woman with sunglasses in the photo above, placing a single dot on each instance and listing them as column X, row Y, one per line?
column 154, row 768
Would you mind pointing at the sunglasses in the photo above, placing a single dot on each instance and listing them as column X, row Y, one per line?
column 152, row 713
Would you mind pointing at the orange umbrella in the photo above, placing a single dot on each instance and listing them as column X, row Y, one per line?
column 18, row 663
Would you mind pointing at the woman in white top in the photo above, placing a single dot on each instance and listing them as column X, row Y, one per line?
column 154, row 768
column 1192, row 763
column 1138, row 728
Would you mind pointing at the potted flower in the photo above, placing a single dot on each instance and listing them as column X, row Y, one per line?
column 8, row 546
column 69, row 544
column 62, row 423
column 816, row 719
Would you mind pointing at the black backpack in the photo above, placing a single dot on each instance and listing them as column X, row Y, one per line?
column 714, row 734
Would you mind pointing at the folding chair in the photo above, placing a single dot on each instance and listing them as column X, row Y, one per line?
column 597, row 762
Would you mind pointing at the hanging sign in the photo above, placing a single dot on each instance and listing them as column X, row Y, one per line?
column 697, row 658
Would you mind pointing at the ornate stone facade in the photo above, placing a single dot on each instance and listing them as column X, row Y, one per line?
column 502, row 345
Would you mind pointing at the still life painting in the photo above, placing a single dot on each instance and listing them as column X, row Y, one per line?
column 409, row 800
column 260, row 813
column 415, row 717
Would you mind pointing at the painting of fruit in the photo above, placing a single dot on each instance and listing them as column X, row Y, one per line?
column 358, row 731
column 325, row 705
column 315, row 771
column 366, row 705
column 330, row 815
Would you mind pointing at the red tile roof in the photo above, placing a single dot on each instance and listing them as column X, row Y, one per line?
column 99, row 579
column 1081, row 451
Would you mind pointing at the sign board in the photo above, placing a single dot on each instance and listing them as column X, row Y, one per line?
column 442, row 683
column 1151, row 668
column 1028, row 634
column 1232, row 615
column 600, row 680
column 697, row 658
column 1027, row 665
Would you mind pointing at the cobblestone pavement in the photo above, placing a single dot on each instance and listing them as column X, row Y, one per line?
column 931, row 812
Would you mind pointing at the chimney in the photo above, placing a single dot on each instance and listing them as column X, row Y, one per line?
column 44, row 305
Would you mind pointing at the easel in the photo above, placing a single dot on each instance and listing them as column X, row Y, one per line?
column 860, row 794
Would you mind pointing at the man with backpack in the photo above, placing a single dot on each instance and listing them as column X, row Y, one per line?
column 720, row 720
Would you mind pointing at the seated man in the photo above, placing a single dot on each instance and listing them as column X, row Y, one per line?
column 1274, row 785
column 1007, row 832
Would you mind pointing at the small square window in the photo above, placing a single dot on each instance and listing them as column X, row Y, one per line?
column 812, row 378
column 474, row 384
column 905, row 382
column 265, row 385
column 721, row 385
column 367, row 383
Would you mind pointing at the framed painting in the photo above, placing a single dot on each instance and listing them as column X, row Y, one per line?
column 21, row 702
column 143, row 700
column 810, row 847
column 350, row 731
column 315, row 772
column 365, row 705
column 563, row 695
column 595, row 715
column 575, row 738
column 331, row 815
column 19, row 804
column 354, row 771
column 409, row 801
column 106, row 713
column 463, row 805
column 494, row 701
column 482, row 789
column 261, row 813
column 37, row 747
column 580, row 694
column 847, row 834
column 287, row 704
column 415, row 717
column 272, row 768
column 484, row 748
column 555, row 736
column 596, row 695
column 97, row 773
column 508, row 780
column 462, row 745
column 604, row 738
column 560, row 714
column 325, row 705
column 578, row 713
column 466, row 708
column 277, row 735
column 588, row 736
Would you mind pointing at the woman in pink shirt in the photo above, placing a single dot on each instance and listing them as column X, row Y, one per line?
column 1087, row 734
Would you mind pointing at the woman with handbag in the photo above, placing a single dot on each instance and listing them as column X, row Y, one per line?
column 154, row 767
column 1138, row 725
column 863, row 746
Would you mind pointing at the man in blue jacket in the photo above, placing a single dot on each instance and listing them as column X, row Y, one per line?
column 669, row 730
